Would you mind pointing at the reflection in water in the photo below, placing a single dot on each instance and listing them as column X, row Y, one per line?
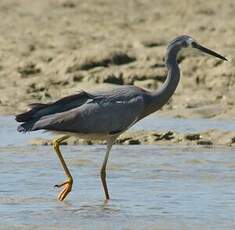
column 151, row 187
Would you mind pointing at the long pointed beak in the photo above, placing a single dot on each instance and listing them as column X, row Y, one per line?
column 208, row 51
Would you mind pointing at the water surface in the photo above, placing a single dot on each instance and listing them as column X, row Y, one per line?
column 151, row 186
column 9, row 136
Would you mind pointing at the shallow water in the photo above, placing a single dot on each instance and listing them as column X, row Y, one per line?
column 153, row 123
column 151, row 187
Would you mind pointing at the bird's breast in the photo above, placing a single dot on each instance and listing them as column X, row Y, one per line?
column 88, row 136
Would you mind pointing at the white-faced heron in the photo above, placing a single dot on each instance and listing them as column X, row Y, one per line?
column 105, row 115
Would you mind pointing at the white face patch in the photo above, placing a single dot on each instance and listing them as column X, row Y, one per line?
column 186, row 51
column 190, row 41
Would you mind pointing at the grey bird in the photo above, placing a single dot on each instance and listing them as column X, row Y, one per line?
column 105, row 115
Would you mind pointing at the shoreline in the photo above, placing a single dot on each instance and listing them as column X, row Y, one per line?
column 210, row 138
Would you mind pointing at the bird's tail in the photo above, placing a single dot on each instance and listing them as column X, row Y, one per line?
column 25, row 127
column 38, row 111
column 30, row 117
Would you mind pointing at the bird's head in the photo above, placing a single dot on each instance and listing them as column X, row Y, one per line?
column 186, row 41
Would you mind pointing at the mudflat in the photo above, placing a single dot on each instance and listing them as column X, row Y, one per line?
column 53, row 48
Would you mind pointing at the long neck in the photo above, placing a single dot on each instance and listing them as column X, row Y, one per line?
column 161, row 96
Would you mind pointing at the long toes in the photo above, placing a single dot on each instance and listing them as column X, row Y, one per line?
column 64, row 193
column 67, row 187
column 61, row 185
column 61, row 196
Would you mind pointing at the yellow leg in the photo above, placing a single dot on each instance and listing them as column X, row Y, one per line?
column 69, row 182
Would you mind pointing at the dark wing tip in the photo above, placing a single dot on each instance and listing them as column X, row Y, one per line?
column 28, row 115
column 20, row 117
column 23, row 117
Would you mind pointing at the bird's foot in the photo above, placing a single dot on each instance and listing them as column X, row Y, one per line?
column 67, row 188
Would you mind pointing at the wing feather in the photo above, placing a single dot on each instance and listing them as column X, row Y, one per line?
column 39, row 110
column 108, row 112
column 95, row 117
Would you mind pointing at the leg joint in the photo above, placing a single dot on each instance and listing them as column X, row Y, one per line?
column 55, row 143
column 70, row 179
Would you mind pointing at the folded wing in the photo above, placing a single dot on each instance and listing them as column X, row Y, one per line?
column 39, row 110
column 97, row 116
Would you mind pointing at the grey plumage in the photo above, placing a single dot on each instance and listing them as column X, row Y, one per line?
column 77, row 114
column 107, row 114
column 109, row 111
